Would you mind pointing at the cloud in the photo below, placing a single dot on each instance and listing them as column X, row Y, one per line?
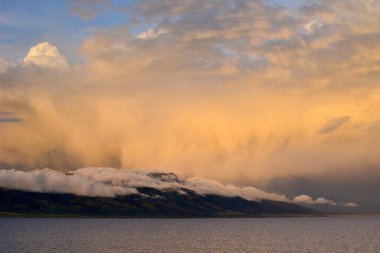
column 58, row 182
column 151, row 33
column 9, row 120
column 306, row 199
column 349, row 204
column 110, row 182
column 45, row 55
column 203, row 186
column 4, row 65
column 333, row 124
column 313, row 26
column 88, row 9
column 8, row 117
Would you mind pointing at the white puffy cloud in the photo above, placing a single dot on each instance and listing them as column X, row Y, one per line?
column 141, row 178
column 45, row 55
column 58, row 182
column 152, row 33
column 349, row 204
column 306, row 199
column 313, row 26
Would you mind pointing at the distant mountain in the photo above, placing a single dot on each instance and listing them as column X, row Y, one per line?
column 148, row 202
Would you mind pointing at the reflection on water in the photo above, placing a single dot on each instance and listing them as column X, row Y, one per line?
column 317, row 234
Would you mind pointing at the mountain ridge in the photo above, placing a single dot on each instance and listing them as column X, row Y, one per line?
column 148, row 203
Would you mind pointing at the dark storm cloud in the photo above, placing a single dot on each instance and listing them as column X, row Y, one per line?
column 361, row 186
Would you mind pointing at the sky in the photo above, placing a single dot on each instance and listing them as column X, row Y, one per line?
column 280, row 95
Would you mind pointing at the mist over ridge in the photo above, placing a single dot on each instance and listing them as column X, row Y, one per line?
column 111, row 182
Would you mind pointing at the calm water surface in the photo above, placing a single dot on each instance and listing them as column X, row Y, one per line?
column 317, row 234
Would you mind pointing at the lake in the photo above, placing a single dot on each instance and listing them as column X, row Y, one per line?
column 309, row 234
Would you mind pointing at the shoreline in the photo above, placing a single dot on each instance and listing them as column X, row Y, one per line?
column 65, row 216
